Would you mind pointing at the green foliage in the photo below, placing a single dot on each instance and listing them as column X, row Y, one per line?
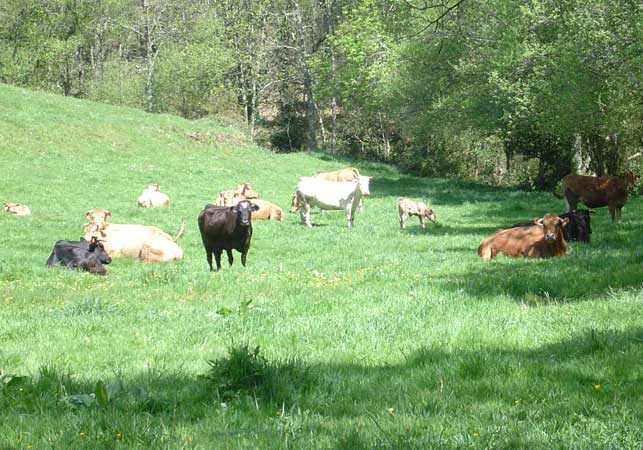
column 371, row 337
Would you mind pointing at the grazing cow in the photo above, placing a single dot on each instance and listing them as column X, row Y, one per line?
column 142, row 242
column 577, row 229
column 596, row 192
column 226, row 228
column 85, row 255
column 541, row 241
column 152, row 196
column 407, row 207
column 17, row 209
column 333, row 195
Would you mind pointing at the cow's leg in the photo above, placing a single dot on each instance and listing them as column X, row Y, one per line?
column 243, row 258
column 571, row 201
column 230, row 257
column 361, row 205
column 422, row 221
column 403, row 219
column 217, row 257
column 612, row 212
column 305, row 215
column 208, row 256
column 618, row 213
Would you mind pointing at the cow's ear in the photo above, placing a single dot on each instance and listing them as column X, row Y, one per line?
column 88, row 214
column 254, row 207
column 107, row 214
column 564, row 221
column 538, row 221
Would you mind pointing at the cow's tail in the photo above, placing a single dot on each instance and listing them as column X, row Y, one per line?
column 181, row 231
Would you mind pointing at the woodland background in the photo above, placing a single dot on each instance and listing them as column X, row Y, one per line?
column 504, row 91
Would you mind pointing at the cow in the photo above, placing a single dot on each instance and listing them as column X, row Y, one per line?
column 331, row 195
column 596, row 192
column 577, row 229
column 541, row 241
column 347, row 174
column 142, row 242
column 226, row 228
column 245, row 191
column 17, row 209
column 266, row 211
column 407, row 207
column 152, row 197
column 84, row 255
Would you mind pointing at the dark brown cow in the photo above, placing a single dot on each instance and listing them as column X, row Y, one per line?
column 596, row 192
column 541, row 241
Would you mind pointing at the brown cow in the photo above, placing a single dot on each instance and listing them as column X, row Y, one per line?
column 541, row 241
column 408, row 207
column 146, row 243
column 17, row 209
column 246, row 191
column 596, row 192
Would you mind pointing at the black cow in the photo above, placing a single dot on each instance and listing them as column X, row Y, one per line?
column 228, row 228
column 578, row 227
column 85, row 255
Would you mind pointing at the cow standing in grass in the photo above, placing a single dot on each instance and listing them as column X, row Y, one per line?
column 330, row 195
column 226, row 228
column 407, row 207
column 541, row 241
column 596, row 192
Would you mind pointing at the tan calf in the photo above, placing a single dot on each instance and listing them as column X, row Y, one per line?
column 267, row 211
column 17, row 209
column 408, row 207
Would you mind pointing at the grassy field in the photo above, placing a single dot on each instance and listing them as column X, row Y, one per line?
column 370, row 337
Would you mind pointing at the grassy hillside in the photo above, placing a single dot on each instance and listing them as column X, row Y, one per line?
column 370, row 337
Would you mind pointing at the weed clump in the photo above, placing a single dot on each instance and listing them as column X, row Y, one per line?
column 243, row 371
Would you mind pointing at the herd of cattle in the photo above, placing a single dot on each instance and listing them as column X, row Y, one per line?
column 227, row 224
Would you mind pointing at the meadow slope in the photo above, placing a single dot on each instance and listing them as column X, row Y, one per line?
column 374, row 337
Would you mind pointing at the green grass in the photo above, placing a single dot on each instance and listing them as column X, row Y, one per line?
column 370, row 337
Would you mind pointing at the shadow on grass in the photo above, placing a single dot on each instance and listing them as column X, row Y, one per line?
column 436, row 392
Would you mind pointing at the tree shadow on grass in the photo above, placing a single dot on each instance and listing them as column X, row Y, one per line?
column 436, row 392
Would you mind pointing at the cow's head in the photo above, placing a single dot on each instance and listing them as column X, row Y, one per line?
column 294, row 204
column 631, row 178
column 364, row 183
column 552, row 226
column 244, row 211
column 10, row 206
column 96, row 247
column 429, row 214
column 98, row 216
column 246, row 191
column 155, row 187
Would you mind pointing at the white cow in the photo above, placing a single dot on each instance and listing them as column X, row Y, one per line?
column 333, row 195
column 152, row 196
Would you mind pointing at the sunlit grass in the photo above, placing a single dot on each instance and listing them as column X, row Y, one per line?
column 375, row 337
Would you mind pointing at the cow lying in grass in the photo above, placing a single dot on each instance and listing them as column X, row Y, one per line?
column 596, row 192
column 577, row 229
column 152, row 197
column 142, row 242
column 541, row 241
column 17, row 209
column 84, row 255
column 231, row 197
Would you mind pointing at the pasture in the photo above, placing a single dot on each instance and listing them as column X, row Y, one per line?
column 370, row 337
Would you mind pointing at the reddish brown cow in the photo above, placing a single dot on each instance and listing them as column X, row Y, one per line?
column 541, row 241
column 596, row 192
